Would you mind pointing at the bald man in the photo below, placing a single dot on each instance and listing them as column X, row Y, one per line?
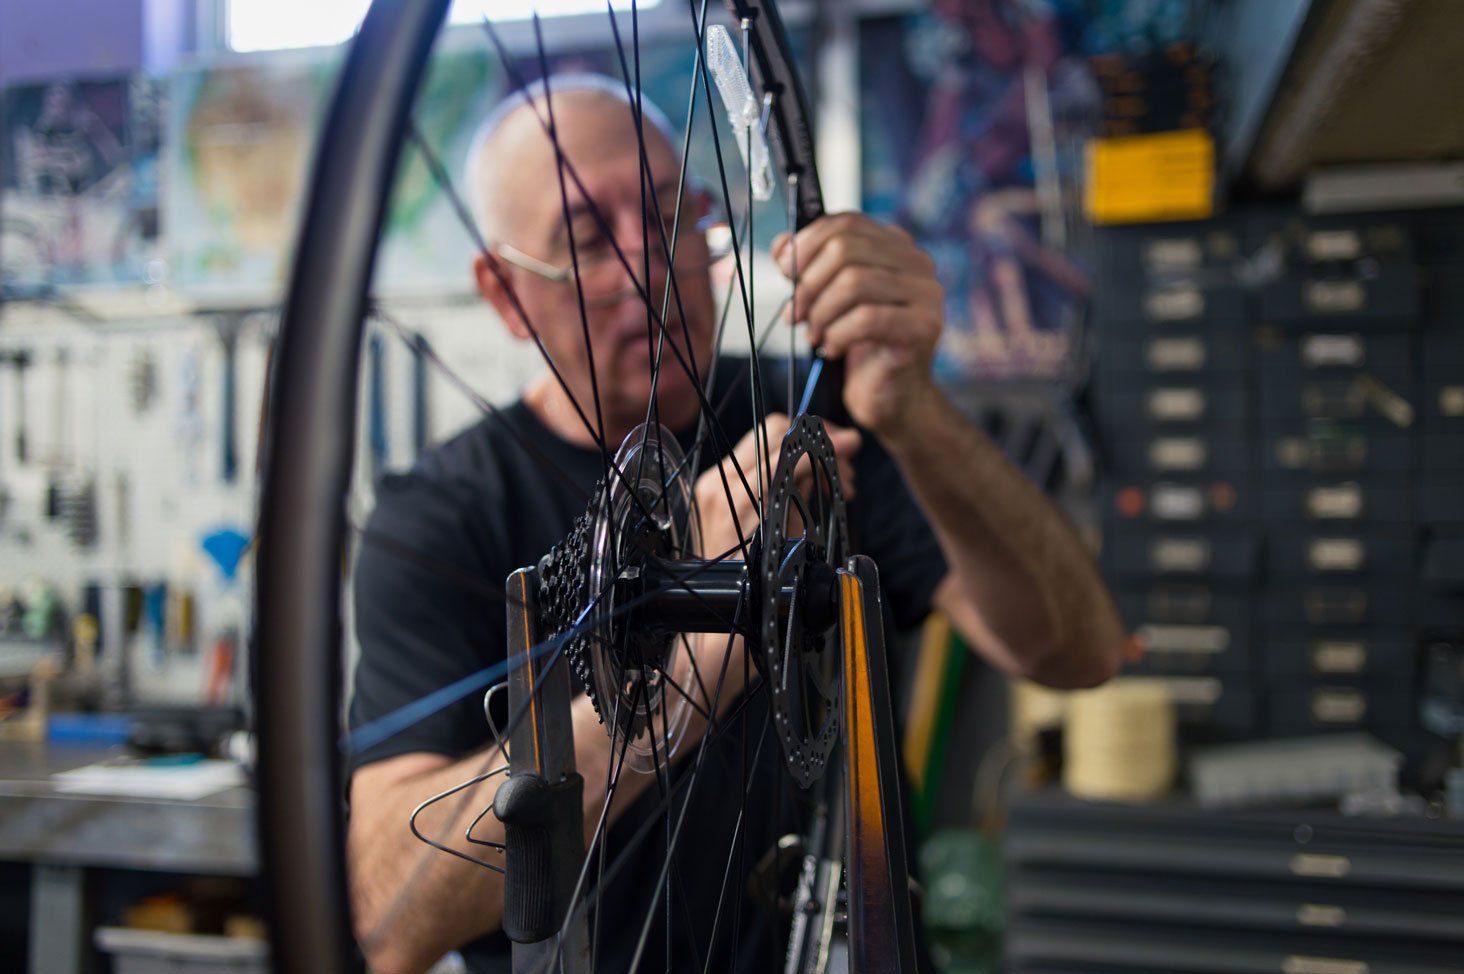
column 949, row 522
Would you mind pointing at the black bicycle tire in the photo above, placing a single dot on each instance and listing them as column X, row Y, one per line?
column 308, row 458
column 307, row 465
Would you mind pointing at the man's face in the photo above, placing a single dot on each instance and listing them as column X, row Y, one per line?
column 597, row 136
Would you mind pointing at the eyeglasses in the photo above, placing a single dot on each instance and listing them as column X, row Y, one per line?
column 602, row 275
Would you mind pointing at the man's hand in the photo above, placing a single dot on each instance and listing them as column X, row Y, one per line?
column 870, row 295
column 720, row 530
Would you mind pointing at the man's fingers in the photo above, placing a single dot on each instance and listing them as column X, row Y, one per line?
column 847, row 480
column 853, row 285
column 846, row 439
column 877, row 323
column 850, row 249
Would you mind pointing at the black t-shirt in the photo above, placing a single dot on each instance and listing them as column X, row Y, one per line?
column 429, row 613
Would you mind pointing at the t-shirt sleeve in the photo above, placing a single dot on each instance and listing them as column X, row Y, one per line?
column 429, row 621
column 890, row 527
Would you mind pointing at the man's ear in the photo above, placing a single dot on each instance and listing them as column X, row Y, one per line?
column 492, row 280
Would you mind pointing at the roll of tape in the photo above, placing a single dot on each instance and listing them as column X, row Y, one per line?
column 1119, row 742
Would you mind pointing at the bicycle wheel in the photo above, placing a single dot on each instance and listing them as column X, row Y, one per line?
column 629, row 593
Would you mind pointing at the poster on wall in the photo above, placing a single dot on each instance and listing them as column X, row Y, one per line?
column 79, row 197
column 240, row 143
column 237, row 146
column 973, row 116
column 426, row 248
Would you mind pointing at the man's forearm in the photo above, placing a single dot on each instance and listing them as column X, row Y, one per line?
column 414, row 903
column 1041, row 609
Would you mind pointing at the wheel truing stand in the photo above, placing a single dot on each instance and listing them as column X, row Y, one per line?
column 541, row 803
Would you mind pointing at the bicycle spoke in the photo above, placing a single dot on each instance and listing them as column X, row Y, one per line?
column 664, row 675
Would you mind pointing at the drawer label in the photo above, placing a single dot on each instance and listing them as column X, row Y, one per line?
column 1189, row 604
column 1300, row 964
column 1338, row 502
column 1174, row 502
column 1321, row 455
column 1174, row 304
column 1338, row 706
column 1324, row 351
column 1180, row 554
column 1178, row 453
column 1176, row 404
column 1173, row 252
column 1451, row 401
column 1317, row 915
column 1333, row 245
column 1193, row 691
column 1336, row 554
column 1175, row 354
column 1317, row 866
column 1334, row 296
column 1325, row 606
column 1333, row 401
column 1184, row 639
column 1339, row 656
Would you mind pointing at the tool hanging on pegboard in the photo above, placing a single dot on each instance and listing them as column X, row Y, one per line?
column 228, row 327
column 420, row 376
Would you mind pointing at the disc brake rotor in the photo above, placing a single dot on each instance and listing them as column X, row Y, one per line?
column 805, row 539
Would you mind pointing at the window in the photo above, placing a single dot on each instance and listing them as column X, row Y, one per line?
column 263, row 25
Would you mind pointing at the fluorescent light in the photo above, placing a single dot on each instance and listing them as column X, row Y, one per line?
column 265, row 25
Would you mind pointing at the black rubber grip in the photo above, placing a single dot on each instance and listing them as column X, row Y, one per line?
column 544, row 849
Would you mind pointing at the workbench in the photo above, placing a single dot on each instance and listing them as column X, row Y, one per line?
column 63, row 836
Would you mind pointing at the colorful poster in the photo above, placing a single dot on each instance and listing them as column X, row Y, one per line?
column 426, row 248
column 237, row 148
column 973, row 117
column 241, row 142
column 78, row 184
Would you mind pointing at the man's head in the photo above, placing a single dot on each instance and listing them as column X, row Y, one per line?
column 513, row 174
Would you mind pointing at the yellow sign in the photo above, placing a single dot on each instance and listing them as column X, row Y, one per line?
column 1145, row 178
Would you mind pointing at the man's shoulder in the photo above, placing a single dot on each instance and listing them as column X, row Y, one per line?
column 447, row 479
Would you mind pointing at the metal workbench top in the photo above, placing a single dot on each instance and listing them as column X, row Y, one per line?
column 38, row 824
